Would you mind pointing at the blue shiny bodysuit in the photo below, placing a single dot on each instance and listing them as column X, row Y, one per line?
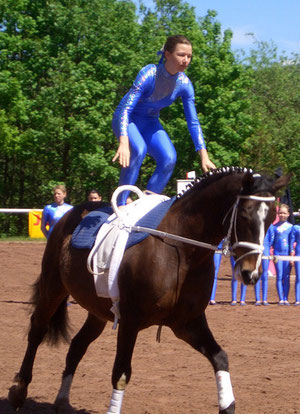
column 234, row 282
column 51, row 214
column 268, row 240
column 137, row 116
column 280, row 236
column 295, row 247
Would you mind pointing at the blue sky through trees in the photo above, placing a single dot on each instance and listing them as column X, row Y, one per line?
column 267, row 20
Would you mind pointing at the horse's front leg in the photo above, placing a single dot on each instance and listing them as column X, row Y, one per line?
column 121, row 374
column 197, row 333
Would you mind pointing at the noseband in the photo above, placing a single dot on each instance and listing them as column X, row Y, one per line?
column 254, row 247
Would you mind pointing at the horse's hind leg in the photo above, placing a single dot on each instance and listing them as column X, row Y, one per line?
column 90, row 331
column 46, row 308
column 198, row 335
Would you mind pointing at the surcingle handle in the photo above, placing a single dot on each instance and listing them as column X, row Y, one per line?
column 118, row 191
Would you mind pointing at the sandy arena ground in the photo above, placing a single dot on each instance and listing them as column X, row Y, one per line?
column 263, row 345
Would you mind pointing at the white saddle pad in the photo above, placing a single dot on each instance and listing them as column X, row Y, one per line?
column 111, row 241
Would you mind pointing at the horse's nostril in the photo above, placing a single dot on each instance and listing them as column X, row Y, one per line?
column 249, row 277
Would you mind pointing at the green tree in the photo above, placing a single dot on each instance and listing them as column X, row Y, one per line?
column 275, row 103
column 221, row 87
column 65, row 65
column 71, row 67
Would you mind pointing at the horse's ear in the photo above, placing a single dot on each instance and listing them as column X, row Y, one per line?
column 282, row 182
column 248, row 181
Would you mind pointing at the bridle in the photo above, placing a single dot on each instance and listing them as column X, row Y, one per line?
column 254, row 247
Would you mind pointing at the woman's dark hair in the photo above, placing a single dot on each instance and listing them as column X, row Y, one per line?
column 172, row 41
column 94, row 191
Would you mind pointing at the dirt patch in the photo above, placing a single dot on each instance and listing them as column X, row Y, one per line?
column 263, row 345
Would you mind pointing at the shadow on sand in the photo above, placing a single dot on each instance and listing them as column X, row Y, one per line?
column 33, row 407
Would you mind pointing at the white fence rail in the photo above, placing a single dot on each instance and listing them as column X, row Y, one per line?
column 19, row 210
column 34, row 219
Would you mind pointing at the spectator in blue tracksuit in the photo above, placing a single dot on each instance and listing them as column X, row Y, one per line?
column 53, row 212
column 136, row 120
column 295, row 250
column 280, row 236
column 265, row 268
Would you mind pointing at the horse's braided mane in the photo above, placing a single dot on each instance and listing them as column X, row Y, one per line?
column 211, row 176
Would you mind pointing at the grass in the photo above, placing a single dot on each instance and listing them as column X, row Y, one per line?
column 20, row 239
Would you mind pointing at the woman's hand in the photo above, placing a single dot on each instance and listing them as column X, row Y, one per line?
column 206, row 163
column 123, row 152
column 292, row 261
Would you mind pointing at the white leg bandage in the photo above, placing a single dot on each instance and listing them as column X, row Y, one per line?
column 65, row 387
column 116, row 402
column 225, row 393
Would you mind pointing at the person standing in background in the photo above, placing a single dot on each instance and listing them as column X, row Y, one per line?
column 217, row 263
column 280, row 236
column 53, row 212
column 265, row 269
column 94, row 195
column 295, row 251
column 234, row 287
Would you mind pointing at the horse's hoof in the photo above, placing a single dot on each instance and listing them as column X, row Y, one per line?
column 62, row 406
column 17, row 396
column 229, row 410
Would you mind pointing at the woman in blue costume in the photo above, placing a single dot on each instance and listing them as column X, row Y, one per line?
column 234, row 282
column 217, row 263
column 234, row 287
column 280, row 236
column 295, row 250
column 53, row 212
column 265, row 268
column 136, row 119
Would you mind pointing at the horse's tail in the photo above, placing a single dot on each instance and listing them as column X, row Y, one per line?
column 58, row 327
column 48, row 287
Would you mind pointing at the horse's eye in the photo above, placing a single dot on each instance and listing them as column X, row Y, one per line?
column 244, row 213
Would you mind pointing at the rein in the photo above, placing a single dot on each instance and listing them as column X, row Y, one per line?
column 227, row 250
column 172, row 237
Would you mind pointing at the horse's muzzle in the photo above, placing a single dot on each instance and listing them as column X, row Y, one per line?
column 246, row 276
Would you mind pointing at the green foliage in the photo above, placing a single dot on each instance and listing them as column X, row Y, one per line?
column 13, row 225
column 65, row 65
column 221, row 88
column 63, row 70
column 275, row 102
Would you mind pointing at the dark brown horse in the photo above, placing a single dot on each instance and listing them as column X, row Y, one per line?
column 161, row 281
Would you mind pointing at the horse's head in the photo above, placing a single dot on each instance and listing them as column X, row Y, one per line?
column 254, row 211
